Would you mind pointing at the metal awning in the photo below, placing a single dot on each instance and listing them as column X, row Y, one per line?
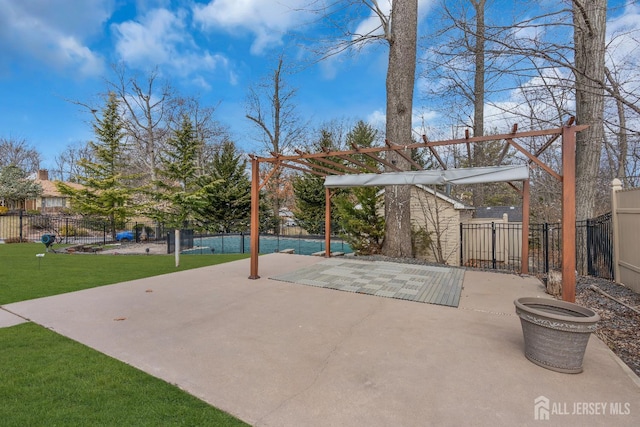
column 431, row 177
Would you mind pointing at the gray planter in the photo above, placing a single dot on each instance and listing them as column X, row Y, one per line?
column 555, row 332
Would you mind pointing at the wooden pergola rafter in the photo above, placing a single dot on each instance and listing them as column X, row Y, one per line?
column 325, row 163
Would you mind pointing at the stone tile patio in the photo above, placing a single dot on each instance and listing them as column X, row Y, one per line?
column 419, row 283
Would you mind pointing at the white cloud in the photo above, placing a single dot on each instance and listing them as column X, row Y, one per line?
column 370, row 24
column 268, row 21
column 160, row 38
column 55, row 34
column 377, row 119
column 623, row 35
column 421, row 120
column 152, row 39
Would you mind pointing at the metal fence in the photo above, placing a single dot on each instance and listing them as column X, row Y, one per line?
column 203, row 239
column 23, row 227
column 497, row 246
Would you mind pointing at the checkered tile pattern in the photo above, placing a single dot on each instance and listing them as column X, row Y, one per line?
column 420, row 283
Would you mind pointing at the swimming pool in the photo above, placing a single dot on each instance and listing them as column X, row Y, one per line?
column 236, row 244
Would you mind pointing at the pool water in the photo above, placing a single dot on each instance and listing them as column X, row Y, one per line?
column 268, row 244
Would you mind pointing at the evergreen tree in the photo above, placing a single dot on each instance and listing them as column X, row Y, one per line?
column 359, row 210
column 228, row 193
column 309, row 193
column 180, row 191
column 15, row 188
column 106, row 192
column 361, row 221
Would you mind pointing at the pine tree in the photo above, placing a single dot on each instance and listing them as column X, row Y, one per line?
column 309, row 193
column 228, row 193
column 106, row 192
column 359, row 211
column 180, row 192
column 360, row 219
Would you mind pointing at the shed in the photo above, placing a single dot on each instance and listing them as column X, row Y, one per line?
column 439, row 215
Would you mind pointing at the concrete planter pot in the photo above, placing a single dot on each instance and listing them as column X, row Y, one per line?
column 555, row 332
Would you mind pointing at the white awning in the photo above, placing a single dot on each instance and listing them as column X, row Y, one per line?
column 430, row 177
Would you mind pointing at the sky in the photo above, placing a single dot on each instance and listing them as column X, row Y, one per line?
column 58, row 51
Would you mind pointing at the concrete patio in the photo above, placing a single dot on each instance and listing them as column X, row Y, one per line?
column 282, row 354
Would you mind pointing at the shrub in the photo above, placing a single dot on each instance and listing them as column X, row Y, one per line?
column 40, row 222
column 421, row 241
column 15, row 240
column 70, row 230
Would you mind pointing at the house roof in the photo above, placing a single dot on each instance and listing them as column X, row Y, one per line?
column 49, row 188
column 514, row 213
column 457, row 204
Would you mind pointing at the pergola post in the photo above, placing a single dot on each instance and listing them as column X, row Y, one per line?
column 327, row 222
column 524, row 263
column 255, row 217
column 568, row 214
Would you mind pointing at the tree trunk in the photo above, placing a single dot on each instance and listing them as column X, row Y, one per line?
column 623, row 144
column 478, row 96
column 400, row 84
column 589, row 18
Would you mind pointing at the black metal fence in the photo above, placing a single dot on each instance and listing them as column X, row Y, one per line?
column 24, row 227
column 490, row 245
column 186, row 240
column 598, row 246
column 203, row 239
column 498, row 246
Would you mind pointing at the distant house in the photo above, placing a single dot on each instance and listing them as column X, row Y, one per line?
column 514, row 213
column 51, row 201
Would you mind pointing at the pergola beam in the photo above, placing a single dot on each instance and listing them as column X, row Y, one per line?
column 361, row 164
column 568, row 214
column 401, row 151
column 360, row 150
column 567, row 133
column 317, row 167
column 298, row 168
column 434, row 153
column 344, row 168
column 534, row 159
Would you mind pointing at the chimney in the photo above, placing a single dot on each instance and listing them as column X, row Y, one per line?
column 43, row 175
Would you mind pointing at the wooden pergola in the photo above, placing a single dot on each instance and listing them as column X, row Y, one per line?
column 323, row 164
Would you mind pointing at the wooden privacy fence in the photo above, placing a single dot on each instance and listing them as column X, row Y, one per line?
column 625, row 205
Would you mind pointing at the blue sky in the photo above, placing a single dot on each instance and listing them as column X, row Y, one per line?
column 56, row 51
column 59, row 50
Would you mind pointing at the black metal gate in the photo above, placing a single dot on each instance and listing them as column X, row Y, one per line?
column 600, row 246
column 594, row 246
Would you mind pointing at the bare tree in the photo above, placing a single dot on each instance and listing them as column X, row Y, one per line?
column 68, row 162
column 147, row 109
column 437, row 226
column 271, row 108
column 210, row 133
column 17, row 152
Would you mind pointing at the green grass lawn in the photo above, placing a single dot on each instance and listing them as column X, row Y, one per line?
column 24, row 276
column 49, row 380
